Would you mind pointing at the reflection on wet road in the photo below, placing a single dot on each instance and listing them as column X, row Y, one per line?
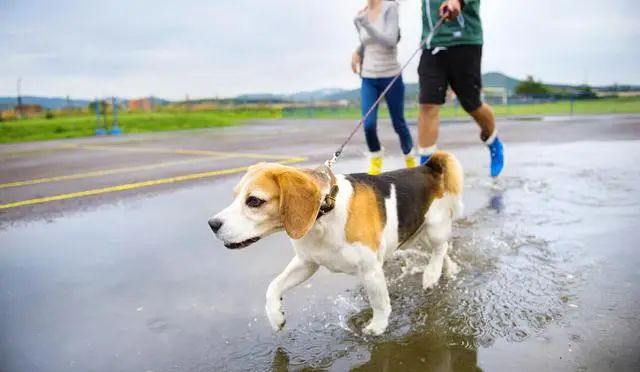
column 549, row 281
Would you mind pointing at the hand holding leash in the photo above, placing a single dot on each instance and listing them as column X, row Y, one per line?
column 450, row 9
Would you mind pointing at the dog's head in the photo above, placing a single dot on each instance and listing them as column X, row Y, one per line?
column 269, row 198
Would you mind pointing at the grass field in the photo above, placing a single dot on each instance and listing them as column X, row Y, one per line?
column 84, row 126
column 584, row 107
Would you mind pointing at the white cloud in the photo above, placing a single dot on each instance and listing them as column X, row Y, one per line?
column 206, row 48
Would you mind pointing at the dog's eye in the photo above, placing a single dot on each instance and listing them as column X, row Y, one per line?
column 254, row 202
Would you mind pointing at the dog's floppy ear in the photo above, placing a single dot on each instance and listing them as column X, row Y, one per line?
column 299, row 202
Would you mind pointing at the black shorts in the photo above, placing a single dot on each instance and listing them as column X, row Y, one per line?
column 457, row 66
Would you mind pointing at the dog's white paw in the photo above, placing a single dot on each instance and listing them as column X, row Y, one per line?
column 430, row 278
column 451, row 269
column 275, row 315
column 375, row 328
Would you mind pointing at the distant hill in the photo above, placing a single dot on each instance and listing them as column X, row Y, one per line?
column 490, row 79
column 54, row 103
column 307, row 96
column 154, row 101
column 315, row 95
column 500, row 80
column 257, row 97
column 46, row 102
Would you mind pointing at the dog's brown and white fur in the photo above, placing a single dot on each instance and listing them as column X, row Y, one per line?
column 372, row 217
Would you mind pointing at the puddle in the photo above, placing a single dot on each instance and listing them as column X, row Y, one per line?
column 171, row 298
column 511, row 286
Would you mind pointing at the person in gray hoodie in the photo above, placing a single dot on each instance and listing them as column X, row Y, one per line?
column 376, row 60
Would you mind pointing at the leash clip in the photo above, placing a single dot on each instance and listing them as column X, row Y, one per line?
column 329, row 163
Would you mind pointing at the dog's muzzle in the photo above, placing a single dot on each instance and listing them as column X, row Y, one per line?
column 216, row 224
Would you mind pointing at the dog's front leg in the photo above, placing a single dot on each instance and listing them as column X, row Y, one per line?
column 376, row 286
column 296, row 272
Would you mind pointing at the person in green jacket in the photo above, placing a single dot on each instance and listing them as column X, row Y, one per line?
column 453, row 58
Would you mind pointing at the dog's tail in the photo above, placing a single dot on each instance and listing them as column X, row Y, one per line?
column 446, row 164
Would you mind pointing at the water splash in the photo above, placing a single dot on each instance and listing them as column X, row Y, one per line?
column 513, row 283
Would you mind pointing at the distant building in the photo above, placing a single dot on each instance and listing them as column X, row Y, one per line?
column 11, row 112
column 28, row 111
column 140, row 104
column 7, row 112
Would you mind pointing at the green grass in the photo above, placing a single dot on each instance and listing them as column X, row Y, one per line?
column 39, row 129
column 598, row 106
column 84, row 125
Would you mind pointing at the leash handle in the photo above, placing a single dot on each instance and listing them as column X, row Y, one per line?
column 425, row 41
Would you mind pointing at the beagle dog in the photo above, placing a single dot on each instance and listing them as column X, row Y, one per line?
column 347, row 223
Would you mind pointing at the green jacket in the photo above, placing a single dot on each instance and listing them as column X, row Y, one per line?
column 465, row 30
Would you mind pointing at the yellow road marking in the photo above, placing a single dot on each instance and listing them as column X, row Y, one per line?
column 11, row 154
column 106, row 172
column 136, row 185
column 37, row 151
column 185, row 152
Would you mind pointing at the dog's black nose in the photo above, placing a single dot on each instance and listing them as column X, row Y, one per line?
column 215, row 224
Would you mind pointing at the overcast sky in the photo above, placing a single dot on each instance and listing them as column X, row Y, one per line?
column 208, row 48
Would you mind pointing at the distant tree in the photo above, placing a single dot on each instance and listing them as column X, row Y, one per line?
column 530, row 87
column 102, row 105
column 92, row 107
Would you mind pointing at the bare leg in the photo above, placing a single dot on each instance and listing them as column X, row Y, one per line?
column 296, row 272
column 485, row 119
column 428, row 125
column 376, row 286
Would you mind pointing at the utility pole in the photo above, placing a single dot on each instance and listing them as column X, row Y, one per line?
column 19, row 107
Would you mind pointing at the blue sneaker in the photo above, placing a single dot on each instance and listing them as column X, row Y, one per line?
column 497, row 157
column 424, row 159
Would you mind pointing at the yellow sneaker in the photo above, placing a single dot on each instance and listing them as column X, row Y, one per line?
column 375, row 165
column 410, row 160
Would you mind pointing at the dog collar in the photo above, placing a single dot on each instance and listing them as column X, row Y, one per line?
column 329, row 201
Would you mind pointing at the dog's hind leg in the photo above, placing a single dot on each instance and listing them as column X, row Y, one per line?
column 376, row 286
column 433, row 271
column 438, row 220
column 296, row 272
column 451, row 269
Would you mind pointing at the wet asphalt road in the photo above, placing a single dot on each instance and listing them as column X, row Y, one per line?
column 35, row 171
column 107, row 264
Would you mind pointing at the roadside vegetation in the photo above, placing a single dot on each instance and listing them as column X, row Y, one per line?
column 82, row 123
column 622, row 105
column 85, row 124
